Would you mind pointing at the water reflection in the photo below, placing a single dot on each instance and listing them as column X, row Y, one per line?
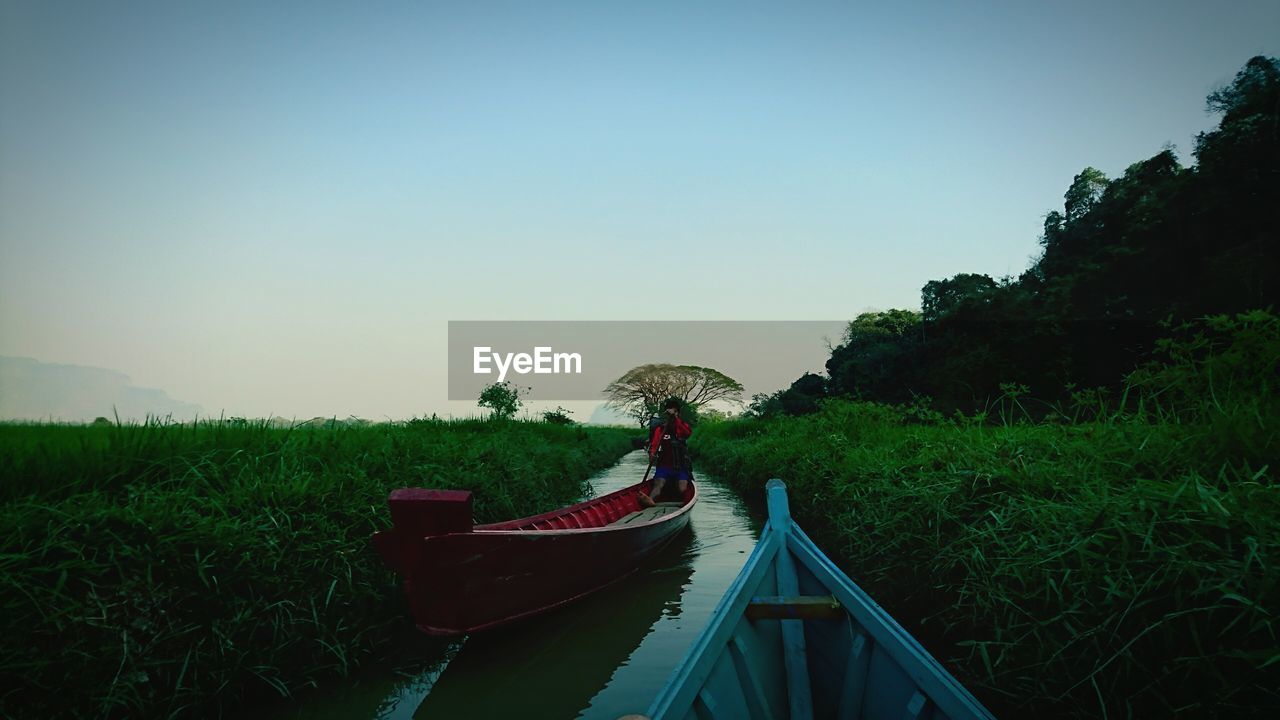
column 551, row 667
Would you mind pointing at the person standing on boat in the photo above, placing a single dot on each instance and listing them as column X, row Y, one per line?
column 667, row 451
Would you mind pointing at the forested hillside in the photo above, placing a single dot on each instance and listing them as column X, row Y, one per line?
column 1125, row 261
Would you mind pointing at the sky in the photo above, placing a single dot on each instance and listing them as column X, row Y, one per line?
column 275, row 208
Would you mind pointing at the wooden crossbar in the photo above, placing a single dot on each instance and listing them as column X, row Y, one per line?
column 797, row 607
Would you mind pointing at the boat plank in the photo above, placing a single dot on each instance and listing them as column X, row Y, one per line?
column 915, row 706
column 799, row 607
column 828, row 643
column 799, row 694
column 645, row 515
column 707, row 705
column 753, row 687
column 855, row 679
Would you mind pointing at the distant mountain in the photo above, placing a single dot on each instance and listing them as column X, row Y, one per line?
column 34, row 390
column 604, row 415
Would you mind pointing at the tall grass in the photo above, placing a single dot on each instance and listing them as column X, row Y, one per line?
column 1121, row 567
column 165, row 570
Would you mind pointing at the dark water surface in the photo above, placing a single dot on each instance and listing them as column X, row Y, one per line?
column 604, row 656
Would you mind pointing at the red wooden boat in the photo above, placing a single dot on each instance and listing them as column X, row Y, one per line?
column 462, row 578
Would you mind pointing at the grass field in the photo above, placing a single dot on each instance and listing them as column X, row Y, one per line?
column 1112, row 568
column 177, row 570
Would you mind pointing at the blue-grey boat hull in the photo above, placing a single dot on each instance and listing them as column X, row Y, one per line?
column 847, row 660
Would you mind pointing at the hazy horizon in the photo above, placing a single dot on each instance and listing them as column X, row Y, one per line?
column 275, row 209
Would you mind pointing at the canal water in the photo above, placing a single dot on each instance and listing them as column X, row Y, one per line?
column 596, row 659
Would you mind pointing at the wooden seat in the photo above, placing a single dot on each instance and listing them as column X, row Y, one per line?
column 647, row 514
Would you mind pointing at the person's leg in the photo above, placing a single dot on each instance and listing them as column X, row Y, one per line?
column 658, row 483
column 669, row 477
column 683, row 477
column 659, row 479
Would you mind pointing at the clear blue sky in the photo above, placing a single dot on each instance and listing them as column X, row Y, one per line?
column 275, row 207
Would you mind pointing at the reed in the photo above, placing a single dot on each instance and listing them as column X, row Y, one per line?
column 169, row 570
column 1113, row 568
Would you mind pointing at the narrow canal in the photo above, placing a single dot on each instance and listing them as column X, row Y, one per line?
column 597, row 659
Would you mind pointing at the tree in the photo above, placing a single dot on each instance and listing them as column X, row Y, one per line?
column 1086, row 188
column 939, row 297
column 1053, row 222
column 803, row 395
column 1253, row 93
column 873, row 360
column 642, row 390
column 811, row 384
column 879, row 326
column 503, row 398
column 765, row 405
column 559, row 416
column 712, row 415
column 1237, row 182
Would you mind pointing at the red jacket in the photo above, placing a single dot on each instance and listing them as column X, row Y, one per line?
column 655, row 441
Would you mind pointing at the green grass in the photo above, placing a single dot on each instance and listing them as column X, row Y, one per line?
column 1102, row 569
column 176, row 570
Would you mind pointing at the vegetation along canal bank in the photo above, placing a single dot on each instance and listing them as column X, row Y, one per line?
column 174, row 570
column 1062, row 565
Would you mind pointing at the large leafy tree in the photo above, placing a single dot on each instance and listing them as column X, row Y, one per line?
column 641, row 390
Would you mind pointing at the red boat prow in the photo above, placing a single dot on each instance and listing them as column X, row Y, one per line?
column 462, row 578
